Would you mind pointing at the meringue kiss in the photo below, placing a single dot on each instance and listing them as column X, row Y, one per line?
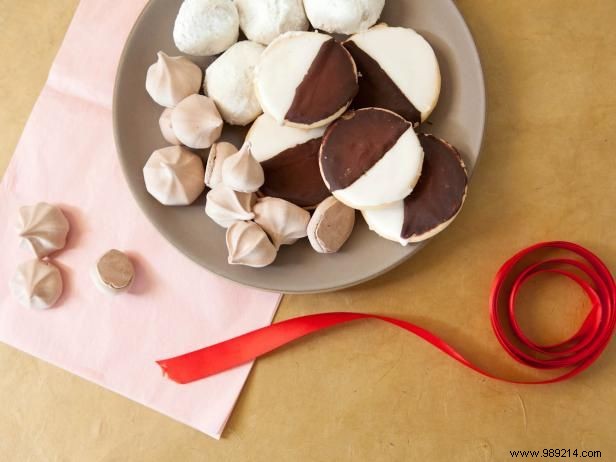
column 213, row 169
column 226, row 206
column 43, row 228
column 174, row 176
column 242, row 172
column 166, row 128
column 171, row 79
column 284, row 222
column 36, row 284
column 248, row 245
column 196, row 122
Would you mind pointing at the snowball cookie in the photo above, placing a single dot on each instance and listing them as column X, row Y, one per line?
column 343, row 16
column 229, row 81
column 331, row 226
column 264, row 20
column 399, row 71
column 206, row 27
column 174, row 176
column 196, row 122
column 305, row 79
column 433, row 204
column 290, row 160
column 370, row 158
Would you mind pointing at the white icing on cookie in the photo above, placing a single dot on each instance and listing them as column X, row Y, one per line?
column 283, row 66
column 391, row 179
column 409, row 60
column 268, row 139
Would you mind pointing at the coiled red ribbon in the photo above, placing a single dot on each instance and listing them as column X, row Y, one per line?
column 574, row 354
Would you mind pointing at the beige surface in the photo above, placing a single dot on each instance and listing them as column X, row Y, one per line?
column 369, row 392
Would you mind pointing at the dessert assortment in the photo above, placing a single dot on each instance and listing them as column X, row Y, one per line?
column 43, row 229
column 332, row 126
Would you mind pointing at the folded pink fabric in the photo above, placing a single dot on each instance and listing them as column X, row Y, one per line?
column 67, row 157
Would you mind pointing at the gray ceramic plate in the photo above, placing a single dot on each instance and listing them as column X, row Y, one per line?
column 459, row 118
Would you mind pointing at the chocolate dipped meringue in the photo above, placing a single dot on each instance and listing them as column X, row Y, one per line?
column 171, row 79
column 213, row 169
column 196, row 122
column 248, row 245
column 331, row 226
column 206, row 27
column 226, row 206
column 284, row 222
column 241, row 172
column 166, row 127
column 36, row 284
column 343, row 16
column 264, row 20
column 290, row 160
column 305, row 79
column 399, row 71
column 43, row 228
column 174, row 176
column 370, row 158
column 229, row 81
column 434, row 203
column 113, row 273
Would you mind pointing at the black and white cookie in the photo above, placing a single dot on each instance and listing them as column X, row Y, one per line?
column 370, row 158
column 305, row 79
column 434, row 203
column 290, row 159
column 399, row 71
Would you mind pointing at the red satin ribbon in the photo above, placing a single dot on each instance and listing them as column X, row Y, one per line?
column 575, row 354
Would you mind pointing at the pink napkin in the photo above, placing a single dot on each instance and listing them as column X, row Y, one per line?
column 67, row 157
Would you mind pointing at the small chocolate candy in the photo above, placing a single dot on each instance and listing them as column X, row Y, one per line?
column 331, row 226
column 114, row 272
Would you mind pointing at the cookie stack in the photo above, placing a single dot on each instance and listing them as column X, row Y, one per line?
column 333, row 125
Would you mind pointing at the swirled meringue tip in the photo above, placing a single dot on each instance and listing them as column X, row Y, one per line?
column 219, row 152
column 174, row 176
column 43, row 228
column 285, row 223
column 249, row 245
column 166, row 127
column 36, row 284
column 196, row 122
column 241, row 171
column 171, row 79
column 226, row 206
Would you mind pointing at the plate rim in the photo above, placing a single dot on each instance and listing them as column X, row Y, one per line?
column 122, row 62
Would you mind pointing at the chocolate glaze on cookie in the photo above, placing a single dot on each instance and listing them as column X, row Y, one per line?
column 357, row 141
column 294, row 175
column 440, row 192
column 330, row 84
column 377, row 89
column 399, row 72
